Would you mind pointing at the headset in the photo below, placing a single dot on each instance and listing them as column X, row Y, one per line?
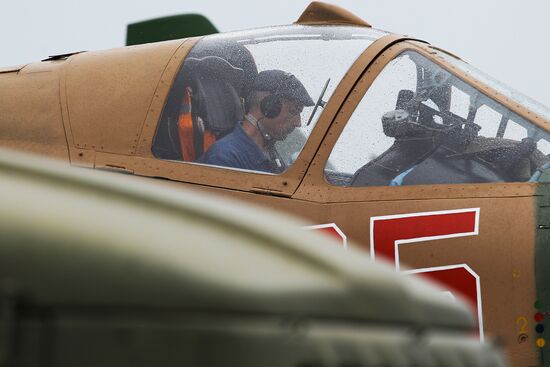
column 271, row 105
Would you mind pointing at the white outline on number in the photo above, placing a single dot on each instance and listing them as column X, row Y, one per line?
column 478, row 287
column 336, row 228
column 422, row 239
column 475, row 232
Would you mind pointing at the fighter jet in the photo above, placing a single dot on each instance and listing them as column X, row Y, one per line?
column 383, row 139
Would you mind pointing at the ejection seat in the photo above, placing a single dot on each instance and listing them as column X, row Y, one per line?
column 214, row 104
column 205, row 103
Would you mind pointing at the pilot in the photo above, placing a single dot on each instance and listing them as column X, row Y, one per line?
column 273, row 108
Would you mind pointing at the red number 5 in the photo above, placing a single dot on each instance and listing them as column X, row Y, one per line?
column 388, row 233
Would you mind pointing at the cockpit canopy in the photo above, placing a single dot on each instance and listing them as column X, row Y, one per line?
column 207, row 99
column 419, row 122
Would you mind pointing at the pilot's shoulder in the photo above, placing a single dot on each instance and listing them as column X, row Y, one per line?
column 229, row 144
column 224, row 151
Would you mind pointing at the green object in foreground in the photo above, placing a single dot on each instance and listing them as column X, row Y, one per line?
column 100, row 269
column 168, row 28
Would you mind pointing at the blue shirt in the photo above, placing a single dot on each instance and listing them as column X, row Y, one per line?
column 237, row 150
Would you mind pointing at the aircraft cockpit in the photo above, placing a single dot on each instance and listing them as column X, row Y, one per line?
column 417, row 123
column 420, row 124
column 209, row 93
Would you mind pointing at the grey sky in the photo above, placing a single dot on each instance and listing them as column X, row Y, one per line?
column 507, row 39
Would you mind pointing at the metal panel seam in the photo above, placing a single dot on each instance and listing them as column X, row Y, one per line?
column 135, row 147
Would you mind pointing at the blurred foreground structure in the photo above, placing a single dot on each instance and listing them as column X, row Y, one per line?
column 99, row 270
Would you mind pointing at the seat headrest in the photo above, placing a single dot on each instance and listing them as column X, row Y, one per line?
column 234, row 53
column 214, row 67
column 218, row 105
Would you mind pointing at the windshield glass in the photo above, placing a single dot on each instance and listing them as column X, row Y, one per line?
column 419, row 124
column 246, row 100
column 500, row 87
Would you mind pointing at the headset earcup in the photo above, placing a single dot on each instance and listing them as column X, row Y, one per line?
column 271, row 106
